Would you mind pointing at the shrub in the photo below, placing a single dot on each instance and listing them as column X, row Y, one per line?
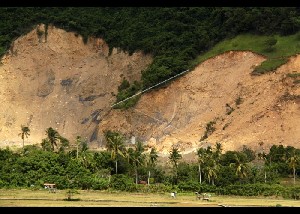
column 122, row 182
column 189, row 186
column 70, row 194
column 269, row 49
column 100, row 184
column 124, row 85
column 270, row 41
column 238, row 101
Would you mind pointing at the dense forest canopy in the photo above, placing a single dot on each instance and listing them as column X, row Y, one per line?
column 173, row 35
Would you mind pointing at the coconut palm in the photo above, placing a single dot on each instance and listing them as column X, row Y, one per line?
column 263, row 156
column 218, row 151
column 201, row 159
column 293, row 162
column 240, row 167
column 174, row 157
column 136, row 157
column 64, row 143
column 211, row 171
column 53, row 137
column 152, row 161
column 85, row 156
column 78, row 142
column 115, row 144
column 153, row 157
column 25, row 132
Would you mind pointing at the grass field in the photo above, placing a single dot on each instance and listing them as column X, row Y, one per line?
column 92, row 198
column 285, row 47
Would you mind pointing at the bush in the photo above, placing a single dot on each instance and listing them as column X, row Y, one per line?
column 189, row 186
column 122, row 182
column 269, row 49
column 124, row 85
column 100, row 184
column 270, row 41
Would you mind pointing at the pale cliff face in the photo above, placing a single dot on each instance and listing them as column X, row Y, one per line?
column 70, row 86
column 60, row 82
column 178, row 115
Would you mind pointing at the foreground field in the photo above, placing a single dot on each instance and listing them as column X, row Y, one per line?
column 43, row 198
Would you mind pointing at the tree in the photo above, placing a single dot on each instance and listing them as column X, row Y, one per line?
column 174, row 157
column 211, row 170
column 115, row 144
column 78, row 142
column 64, row 142
column 136, row 157
column 201, row 159
column 211, row 159
column 218, row 150
column 152, row 161
column 83, row 155
column 153, row 157
column 53, row 137
column 293, row 162
column 263, row 156
column 25, row 132
column 240, row 167
column 46, row 145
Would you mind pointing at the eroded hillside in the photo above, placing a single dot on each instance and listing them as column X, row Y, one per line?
column 243, row 109
column 56, row 80
column 63, row 83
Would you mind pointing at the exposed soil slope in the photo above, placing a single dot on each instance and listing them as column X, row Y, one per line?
column 58, row 81
column 70, row 86
column 269, row 111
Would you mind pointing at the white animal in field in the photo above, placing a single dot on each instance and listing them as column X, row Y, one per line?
column 173, row 194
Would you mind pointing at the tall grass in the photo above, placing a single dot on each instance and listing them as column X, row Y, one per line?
column 276, row 55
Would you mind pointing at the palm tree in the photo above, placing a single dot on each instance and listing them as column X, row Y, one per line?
column 46, row 146
column 211, row 170
column 241, row 168
column 152, row 161
column 24, row 133
column 78, row 142
column 201, row 159
column 115, row 144
column 136, row 158
column 53, row 137
column 293, row 161
column 263, row 156
column 174, row 157
column 64, row 143
column 218, row 150
column 153, row 157
column 85, row 155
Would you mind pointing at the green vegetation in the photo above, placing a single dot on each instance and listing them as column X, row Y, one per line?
column 277, row 49
column 177, row 37
column 70, row 193
column 129, row 168
column 25, row 132
column 209, row 129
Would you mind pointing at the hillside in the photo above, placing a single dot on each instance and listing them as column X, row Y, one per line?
column 269, row 110
column 58, row 81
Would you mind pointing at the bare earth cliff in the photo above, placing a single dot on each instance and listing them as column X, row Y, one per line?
column 58, row 81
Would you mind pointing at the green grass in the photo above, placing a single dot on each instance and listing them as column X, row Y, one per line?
column 276, row 56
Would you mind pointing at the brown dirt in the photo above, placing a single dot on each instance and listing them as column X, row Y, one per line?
column 61, row 83
column 70, row 86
